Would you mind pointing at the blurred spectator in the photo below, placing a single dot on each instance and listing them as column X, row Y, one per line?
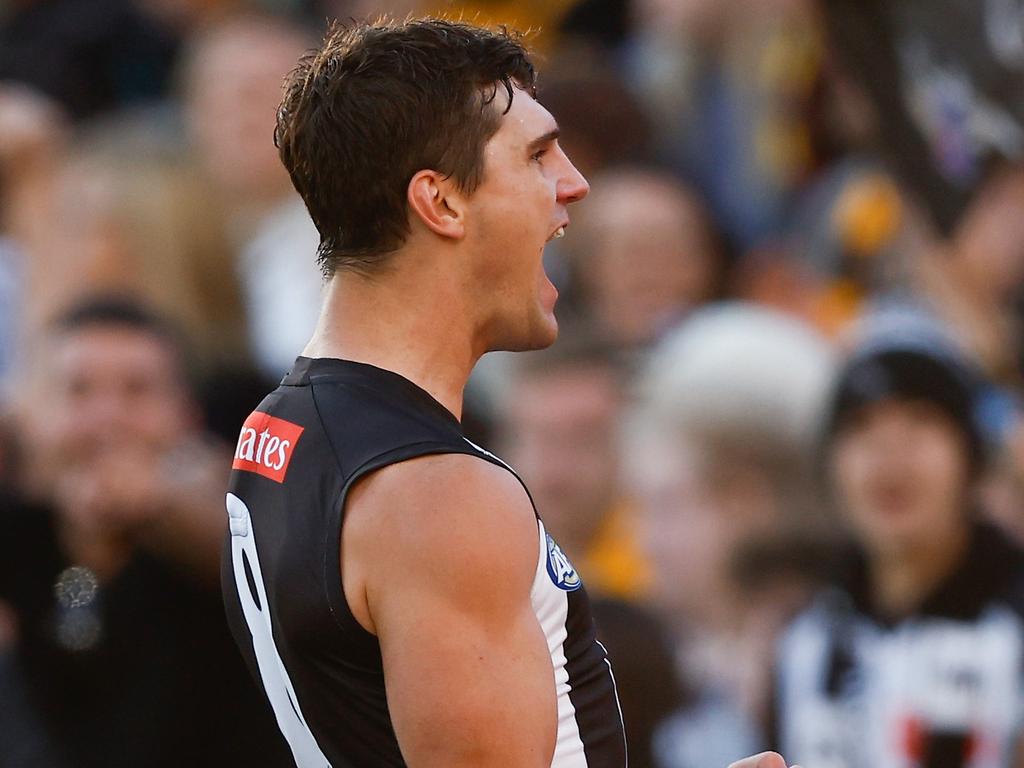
column 850, row 237
column 943, row 78
column 233, row 74
column 33, row 133
column 1001, row 489
column 560, row 429
column 603, row 123
column 645, row 254
column 720, row 454
column 89, row 55
column 913, row 657
column 732, row 86
column 108, row 563
column 668, row 53
column 32, row 137
column 975, row 279
column 128, row 216
column 943, row 82
column 122, row 211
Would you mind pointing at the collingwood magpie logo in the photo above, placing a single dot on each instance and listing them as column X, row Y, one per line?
column 560, row 569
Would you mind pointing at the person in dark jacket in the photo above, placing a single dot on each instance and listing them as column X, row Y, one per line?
column 114, row 647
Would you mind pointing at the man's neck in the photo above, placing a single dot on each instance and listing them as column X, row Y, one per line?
column 416, row 325
column 902, row 581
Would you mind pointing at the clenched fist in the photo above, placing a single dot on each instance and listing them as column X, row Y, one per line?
column 763, row 760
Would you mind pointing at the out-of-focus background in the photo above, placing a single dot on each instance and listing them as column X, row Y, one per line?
column 780, row 436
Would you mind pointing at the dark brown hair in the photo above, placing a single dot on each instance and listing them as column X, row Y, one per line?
column 128, row 313
column 378, row 103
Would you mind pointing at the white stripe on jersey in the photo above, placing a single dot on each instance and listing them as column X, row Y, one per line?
column 551, row 605
column 615, row 690
column 498, row 459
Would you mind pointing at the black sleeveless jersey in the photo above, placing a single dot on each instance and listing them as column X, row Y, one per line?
column 328, row 424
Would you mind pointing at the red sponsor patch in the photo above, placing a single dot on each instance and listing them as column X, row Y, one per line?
column 265, row 446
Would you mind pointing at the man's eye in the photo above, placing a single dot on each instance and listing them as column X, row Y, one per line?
column 536, row 156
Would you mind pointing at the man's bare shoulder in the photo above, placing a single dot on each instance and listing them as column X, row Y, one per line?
column 455, row 481
column 448, row 519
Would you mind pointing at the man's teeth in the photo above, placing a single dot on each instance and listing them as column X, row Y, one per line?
column 560, row 232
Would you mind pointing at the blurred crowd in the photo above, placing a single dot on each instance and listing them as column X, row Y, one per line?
column 780, row 436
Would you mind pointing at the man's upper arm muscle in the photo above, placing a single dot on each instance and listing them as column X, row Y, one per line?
column 445, row 549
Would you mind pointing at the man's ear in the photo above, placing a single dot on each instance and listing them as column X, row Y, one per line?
column 437, row 202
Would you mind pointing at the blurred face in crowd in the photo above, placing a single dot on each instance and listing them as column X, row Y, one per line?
column 694, row 512
column 563, row 441
column 113, row 391
column 234, row 87
column 900, row 470
column 646, row 256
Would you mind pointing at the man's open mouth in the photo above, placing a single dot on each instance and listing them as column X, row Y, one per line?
column 560, row 232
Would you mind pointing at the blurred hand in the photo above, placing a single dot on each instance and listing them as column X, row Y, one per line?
column 117, row 493
column 168, row 502
column 763, row 760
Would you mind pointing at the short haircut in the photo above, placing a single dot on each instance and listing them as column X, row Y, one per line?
column 117, row 311
column 376, row 104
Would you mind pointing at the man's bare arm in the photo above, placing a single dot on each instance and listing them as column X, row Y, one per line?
column 439, row 556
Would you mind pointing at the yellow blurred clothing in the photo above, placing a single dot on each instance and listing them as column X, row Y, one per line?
column 614, row 565
column 542, row 15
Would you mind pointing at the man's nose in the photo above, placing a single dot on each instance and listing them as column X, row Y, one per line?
column 573, row 187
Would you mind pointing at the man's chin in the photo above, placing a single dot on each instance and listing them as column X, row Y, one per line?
column 541, row 336
column 546, row 332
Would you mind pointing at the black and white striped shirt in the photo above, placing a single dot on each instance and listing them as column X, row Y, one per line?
column 941, row 687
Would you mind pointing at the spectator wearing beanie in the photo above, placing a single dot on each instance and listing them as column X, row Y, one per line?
column 913, row 657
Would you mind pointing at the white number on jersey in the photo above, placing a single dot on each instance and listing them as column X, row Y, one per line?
column 256, row 608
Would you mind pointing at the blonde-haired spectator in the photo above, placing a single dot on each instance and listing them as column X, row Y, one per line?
column 719, row 453
column 130, row 217
column 233, row 71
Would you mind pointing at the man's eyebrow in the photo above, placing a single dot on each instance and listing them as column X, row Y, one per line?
column 540, row 141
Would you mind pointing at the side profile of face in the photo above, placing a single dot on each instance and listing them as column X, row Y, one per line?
column 521, row 205
column 900, row 471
